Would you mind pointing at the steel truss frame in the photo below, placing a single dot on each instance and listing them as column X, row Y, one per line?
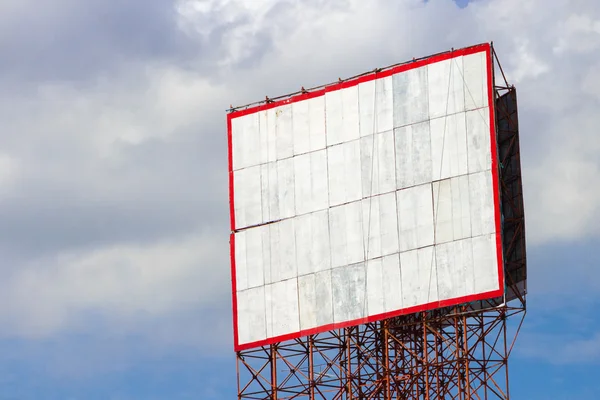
column 458, row 352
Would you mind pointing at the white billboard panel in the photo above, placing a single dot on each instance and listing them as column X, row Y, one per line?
column 366, row 199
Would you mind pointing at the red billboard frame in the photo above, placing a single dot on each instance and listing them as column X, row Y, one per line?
column 484, row 47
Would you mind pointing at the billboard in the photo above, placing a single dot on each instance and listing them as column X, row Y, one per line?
column 366, row 199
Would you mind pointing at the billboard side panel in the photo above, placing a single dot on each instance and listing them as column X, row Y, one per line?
column 495, row 165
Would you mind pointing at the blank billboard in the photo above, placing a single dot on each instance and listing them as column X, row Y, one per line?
column 366, row 199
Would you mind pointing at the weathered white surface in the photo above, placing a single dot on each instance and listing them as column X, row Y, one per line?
column 252, row 324
column 308, row 120
column 315, row 299
column 246, row 141
column 248, row 201
column 344, row 168
column 349, row 297
column 481, row 199
column 375, row 293
column 281, row 303
column 448, row 146
column 475, row 74
column 365, row 201
column 341, row 116
column 392, row 282
column 252, row 260
column 486, row 264
column 346, row 234
column 283, row 251
column 310, row 184
column 413, row 155
column 313, row 253
column 285, row 191
column 380, row 225
column 411, row 97
column 478, row 140
column 377, row 159
column 415, row 217
column 419, row 277
column 442, row 211
column 376, row 98
column 451, row 206
column 446, row 88
column 461, row 207
column 453, row 261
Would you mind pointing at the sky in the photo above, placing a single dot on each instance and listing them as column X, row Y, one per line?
column 114, row 265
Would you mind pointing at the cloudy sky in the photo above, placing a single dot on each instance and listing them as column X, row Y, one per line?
column 114, row 275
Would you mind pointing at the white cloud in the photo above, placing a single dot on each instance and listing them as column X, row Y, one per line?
column 8, row 170
column 120, row 283
column 566, row 348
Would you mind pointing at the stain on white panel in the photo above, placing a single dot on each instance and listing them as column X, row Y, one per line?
column 475, row 80
column 247, row 197
column 311, row 191
column 349, row 302
column 281, row 299
column 380, row 227
column 285, row 188
column 375, row 293
column 413, row 155
column 415, row 217
column 377, row 158
column 312, row 242
column 461, row 210
column 392, row 282
column 411, row 97
column 446, row 88
column 346, row 234
column 314, row 292
column 485, row 261
column 344, row 175
column 448, row 146
column 478, row 140
column 481, row 202
column 419, row 277
column 252, row 324
column 245, row 138
column 376, row 97
column 283, row 251
column 341, row 111
column 442, row 211
column 308, row 119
